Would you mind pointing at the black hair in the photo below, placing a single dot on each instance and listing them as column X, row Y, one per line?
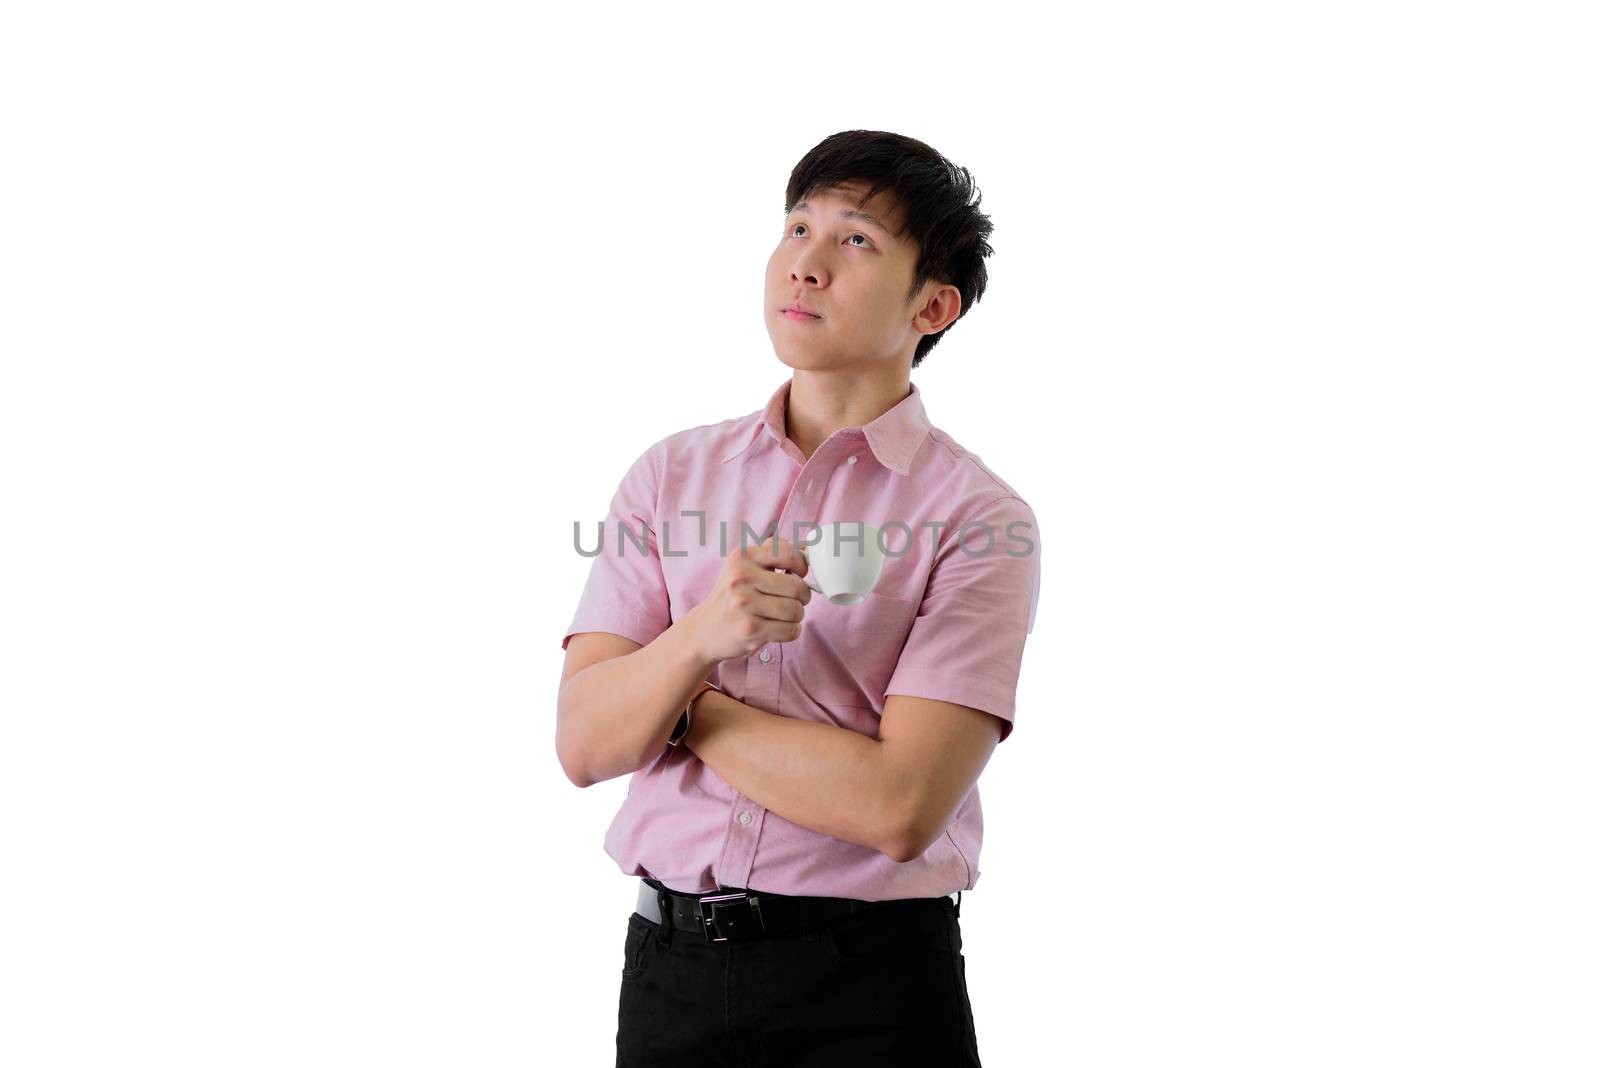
column 938, row 207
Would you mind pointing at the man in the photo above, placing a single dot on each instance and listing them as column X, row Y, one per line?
column 802, row 811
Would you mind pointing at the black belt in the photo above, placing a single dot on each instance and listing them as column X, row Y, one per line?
column 736, row 914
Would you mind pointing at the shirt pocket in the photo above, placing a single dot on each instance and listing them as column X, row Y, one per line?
column 851, row 649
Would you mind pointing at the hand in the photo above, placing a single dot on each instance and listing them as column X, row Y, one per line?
column 751, row 604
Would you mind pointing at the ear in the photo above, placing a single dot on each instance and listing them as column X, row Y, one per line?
column 940, row 308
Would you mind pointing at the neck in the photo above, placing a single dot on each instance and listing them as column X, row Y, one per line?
column 821, row 402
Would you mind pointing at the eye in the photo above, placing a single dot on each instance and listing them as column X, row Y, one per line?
column 858, row 233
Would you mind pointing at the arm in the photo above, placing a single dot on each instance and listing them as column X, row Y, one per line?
column 620, row 700
column 616, row 715
column 629, row 668
column 831, row 779
column 895, row 794
column 940, row 749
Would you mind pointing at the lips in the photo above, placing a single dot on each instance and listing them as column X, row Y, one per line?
column 802, row 309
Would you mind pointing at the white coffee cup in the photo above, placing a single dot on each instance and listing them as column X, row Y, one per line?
column 845, row 562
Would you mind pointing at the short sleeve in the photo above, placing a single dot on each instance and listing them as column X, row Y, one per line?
column 977, row 611
column 626, row 592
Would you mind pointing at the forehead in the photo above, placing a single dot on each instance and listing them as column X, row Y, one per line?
column 849, row 194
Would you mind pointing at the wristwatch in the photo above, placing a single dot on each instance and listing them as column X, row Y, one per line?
column 687, row 717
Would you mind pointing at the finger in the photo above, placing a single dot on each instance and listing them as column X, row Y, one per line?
column 776, row 552
column 781, row 630
column 769, row 606
column 782, row 584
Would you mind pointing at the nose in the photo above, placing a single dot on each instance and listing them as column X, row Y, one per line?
column 803, row 270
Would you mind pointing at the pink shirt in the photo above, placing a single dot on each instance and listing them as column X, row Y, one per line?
column 945, row 621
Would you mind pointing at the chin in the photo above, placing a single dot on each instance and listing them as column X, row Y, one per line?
column 802, row 359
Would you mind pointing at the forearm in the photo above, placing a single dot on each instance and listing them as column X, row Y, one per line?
column 614, row 716
column 830, row 779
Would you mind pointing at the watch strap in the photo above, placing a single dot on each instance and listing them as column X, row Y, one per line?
column 686, row 717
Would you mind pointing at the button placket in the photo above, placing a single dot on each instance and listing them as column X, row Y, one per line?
column 762, row 674
column 804, row 495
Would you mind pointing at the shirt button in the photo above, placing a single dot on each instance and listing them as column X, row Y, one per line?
column 766, row 655
column 744, row 818
column 850, row 459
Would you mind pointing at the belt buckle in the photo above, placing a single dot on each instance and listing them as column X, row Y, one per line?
column 710, row 916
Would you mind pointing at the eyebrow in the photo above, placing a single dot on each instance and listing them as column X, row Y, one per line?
column 850, row 213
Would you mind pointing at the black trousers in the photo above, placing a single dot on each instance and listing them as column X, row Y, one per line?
column 880, row 988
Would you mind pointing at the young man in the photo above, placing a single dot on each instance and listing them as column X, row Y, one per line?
column 803, row 810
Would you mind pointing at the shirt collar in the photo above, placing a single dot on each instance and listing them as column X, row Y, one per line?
column 894, row 437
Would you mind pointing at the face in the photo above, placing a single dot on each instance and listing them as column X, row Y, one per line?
column 853, row 272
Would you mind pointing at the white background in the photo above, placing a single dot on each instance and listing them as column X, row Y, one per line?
column 322, row 323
